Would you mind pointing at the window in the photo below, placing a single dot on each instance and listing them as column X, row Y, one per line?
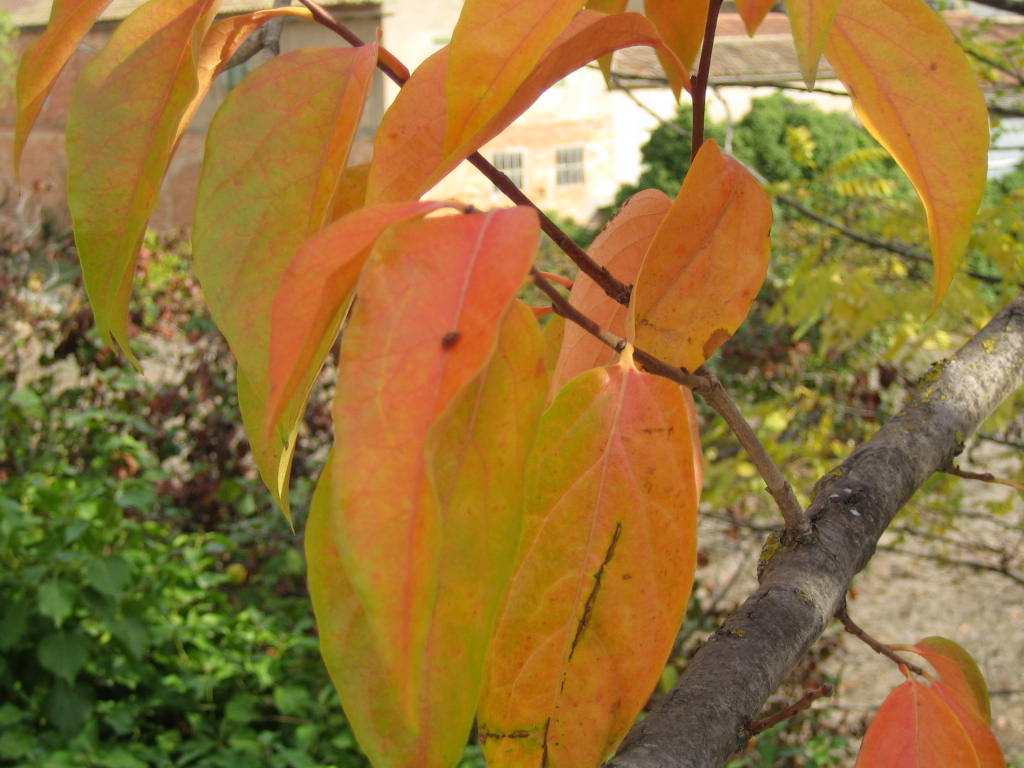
column 569, row 166
column 511, row 164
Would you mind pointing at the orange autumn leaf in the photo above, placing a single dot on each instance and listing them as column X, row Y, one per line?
column 681, row 25
column 913, row 728
column 274, row 155
column 221, row 42
column 810, row 21
column 409, row 151
column 495, row 46
column 607, row 6
column 314, row 292
column 620, row 247
column 120, row 133
column 351, row 194
column 44, row 60
column 604, row 572
column 705, row 265
column 914, row 90
column 986, row 746
column 753, row 12
column 958, row 671
column 431, row 301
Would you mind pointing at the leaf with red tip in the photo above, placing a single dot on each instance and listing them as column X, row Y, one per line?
column 810, row 21
column 120, row 132
column 914, row 90
column 753, row 12
column 220, row 44
column 495, row 46
column 958, row 670
column 604, row 573
column 620, row 247
column 425, row 460
column 274, row 154
column 705, row 265
column 409, row 151
column 314, row 293
column 44, row 60
column 914, row 728
column 681, row 24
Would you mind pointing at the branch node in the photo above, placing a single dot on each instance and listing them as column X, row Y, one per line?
column 787, row 712
column 878, row 647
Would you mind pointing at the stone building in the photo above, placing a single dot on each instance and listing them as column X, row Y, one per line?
column 569, row 152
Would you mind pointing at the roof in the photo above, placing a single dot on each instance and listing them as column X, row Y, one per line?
column 36, row 13
column 769, row 56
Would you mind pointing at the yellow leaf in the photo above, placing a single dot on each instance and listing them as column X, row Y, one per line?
column 914, row 90
column 409, row 151
column 753, row 12
column 495, row 45
column 274, row 155
column 604, row 573
column 43, row 61
column 705, row 265
column 811, row 21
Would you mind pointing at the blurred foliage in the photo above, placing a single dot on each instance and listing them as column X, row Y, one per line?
column 8, row 57
column 155, row 611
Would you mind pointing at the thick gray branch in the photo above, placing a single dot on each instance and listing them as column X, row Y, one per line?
column 703, row 719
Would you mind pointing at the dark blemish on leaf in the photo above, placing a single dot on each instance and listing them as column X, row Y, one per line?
column 933, row 66
column 589, row 606
column 450, row 339
column 483, row 736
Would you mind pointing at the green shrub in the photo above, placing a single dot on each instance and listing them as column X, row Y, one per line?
column 125, row 643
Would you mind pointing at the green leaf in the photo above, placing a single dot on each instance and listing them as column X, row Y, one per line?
column 242, row 708
column 63, row 654
column 110, row 575
column 68, row 707
column 292, row 700
column 56, row 600
column 29, row 403
column 14, row 623
column 133, row 634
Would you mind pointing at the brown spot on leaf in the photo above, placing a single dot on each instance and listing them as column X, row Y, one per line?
column 715, row 340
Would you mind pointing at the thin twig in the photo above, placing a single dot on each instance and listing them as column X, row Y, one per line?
column 612, row 286
column 714, row 393
column 700, row 81
column 390, row 66
column 974, row 565
column 985, row 477
column 796, row 707
column 850, row 626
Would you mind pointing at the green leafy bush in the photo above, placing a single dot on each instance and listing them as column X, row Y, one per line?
column 126, row 643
